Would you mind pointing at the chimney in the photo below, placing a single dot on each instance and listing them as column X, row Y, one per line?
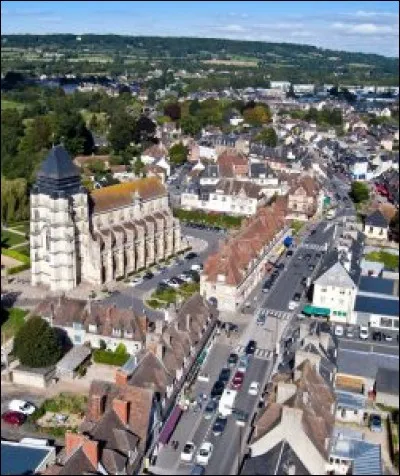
column 160, row 351
column 167, row 337
column 142, row 321
column 188, row 321
column 72, row 442
column 91, row 450
column 121, row 378
column 97, row 406
column 121, row 409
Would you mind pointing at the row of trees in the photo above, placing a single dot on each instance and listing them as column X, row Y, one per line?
column 14, row 200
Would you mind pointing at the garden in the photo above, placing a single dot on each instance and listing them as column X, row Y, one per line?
column 391, row 261
column 162, row 298
column 11, row 322
column 57, row 415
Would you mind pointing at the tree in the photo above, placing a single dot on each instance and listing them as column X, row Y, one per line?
column 178, row 154
column 14, row 200
column 71, row 130
column 138, row 167
column 96, row 166
column 144, row 129
column 190, row 126
column 122, row 132
column 173, row 110
column 359, row 192
column 267, row 137
column 258, row 115
column 37, row 344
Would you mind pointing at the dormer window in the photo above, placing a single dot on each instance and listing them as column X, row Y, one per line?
column 128, row 334
column 93, row 328
column 77, row 326
column 116, row 332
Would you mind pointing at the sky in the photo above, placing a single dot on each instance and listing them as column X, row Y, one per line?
column 369, row 27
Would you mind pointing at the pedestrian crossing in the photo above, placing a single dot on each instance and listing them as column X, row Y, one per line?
column 281, row 315
column 260, row 353
column 313, row 246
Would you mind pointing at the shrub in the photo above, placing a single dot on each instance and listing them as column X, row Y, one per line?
column 18, row 269
column 102, row 344
column 109, row 358
column 37, row 344
column 121, row 349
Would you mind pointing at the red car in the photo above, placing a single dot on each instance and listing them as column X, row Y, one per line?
column 237, row 381
column 13, row 418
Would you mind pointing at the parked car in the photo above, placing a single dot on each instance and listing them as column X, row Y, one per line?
column 185, row 278
column 254, row 388
column 250, row 347
column 364, row 332
column 148, row 275
column 232, row 359
column 224, row 375
column 188, row 452
column 339, row 330
column 304, row 280
column 267, row 286
column 219, row 425
column 237, row 380
column 243, row 363
column 217, row 390
column 388, row 337
column 375, row 423
column 350, row 332
column 197, row 267
column 311, row 267
column 191, row 255
column 135, row 281
column 22, row 406
column 292, row 305
column 261, row 319
column 297, row 297
column 289, row 252
column 204, row 454
column 241, row 417
column 13, row 418
column 210, row 409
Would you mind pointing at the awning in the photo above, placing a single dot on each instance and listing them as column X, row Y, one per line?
column 316, row 311
column 201, row 357
column 170, row 425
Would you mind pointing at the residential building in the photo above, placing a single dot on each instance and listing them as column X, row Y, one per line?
column 115, row 434
column 351, row 454
column 95, row 237
column 229, row 196
column 95, row 323
column 336, row 291
column 26, row 458
column 305, row 199
column 380, row 312
column 376, row 226
column 157, row 154
column 232, row 273
column 299, row 415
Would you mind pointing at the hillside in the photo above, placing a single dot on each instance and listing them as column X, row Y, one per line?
column 112, row 53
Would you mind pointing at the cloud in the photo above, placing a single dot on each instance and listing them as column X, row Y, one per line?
column 231, row 28
column 364, row 29
column 363, row 14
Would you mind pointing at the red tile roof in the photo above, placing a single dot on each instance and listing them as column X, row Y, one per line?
column 234, row 257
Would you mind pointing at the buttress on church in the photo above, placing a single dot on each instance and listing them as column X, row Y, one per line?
column 96, row 237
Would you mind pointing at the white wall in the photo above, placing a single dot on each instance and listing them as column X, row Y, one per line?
column 337, row 300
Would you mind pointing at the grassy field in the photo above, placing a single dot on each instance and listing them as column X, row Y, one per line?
column 9, row 239
column 11, row 321
column 6, row 104
column 390, row 261
column 248, row 63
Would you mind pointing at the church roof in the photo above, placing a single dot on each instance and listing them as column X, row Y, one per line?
column 121, row 195
column 58, row 165
column 58, row 174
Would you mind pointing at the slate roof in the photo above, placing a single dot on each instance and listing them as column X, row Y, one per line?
column 336, row 276
column 376, row 219
column 58, row 165
column 275, row 461
column 377, row 305
column 364, row 364
column 387, row 380
column 373, row 284
column 73, row 358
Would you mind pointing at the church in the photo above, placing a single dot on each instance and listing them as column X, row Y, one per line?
column 96, row 237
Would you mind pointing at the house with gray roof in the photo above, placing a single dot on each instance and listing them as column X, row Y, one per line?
column 387, row 387
column 335, row 290
column 376, row 227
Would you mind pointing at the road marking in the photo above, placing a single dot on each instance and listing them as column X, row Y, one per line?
column 369, row 352
column 260, row 353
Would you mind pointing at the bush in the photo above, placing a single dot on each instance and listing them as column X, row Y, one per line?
column 18, row 269
column 121, row 349
column 359, row 192
column 37, row 344
column 102, row 344
column 109, row 358
column 154, row 303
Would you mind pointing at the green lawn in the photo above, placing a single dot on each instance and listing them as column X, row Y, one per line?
column 6, row 104
column 25, row 250
column 296, row 226
column 23, row 226
column 11, row 321
column 8, row 239
column 389, row 260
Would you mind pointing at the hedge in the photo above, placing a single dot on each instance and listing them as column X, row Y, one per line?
column 110, row 358
column 202, row 217
column 18, row 269
column 16, row 255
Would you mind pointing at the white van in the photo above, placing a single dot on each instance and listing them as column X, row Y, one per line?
column 227, row 401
